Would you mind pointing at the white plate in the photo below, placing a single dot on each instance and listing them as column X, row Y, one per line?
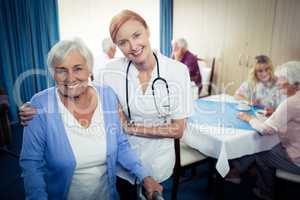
column 243, row 109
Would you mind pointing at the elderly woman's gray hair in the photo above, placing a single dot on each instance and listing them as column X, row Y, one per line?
column 61, row 49
column 181, row 42
column 290, row 71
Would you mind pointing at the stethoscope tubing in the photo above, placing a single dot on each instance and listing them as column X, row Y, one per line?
column 152, row 87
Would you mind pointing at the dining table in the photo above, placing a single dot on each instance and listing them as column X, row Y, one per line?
column 215, row 130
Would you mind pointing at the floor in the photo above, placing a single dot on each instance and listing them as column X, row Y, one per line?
column 11, row 184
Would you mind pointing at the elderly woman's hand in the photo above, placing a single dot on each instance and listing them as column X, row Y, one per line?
column 269, row 111
column 244, row 116
column 255, row 102
column 151, row 186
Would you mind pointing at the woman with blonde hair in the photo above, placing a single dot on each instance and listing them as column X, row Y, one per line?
column 284, row 122
column 260, row 88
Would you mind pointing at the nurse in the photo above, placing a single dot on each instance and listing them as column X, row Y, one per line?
column 155, row 100
column 154, row 95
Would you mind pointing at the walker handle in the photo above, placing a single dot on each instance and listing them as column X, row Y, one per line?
column 157, row 196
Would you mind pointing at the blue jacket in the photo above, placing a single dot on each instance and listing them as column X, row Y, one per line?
column 47, row 160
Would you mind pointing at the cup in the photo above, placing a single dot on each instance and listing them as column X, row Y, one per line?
column 243, row 105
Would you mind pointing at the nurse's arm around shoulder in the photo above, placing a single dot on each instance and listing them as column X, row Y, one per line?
column 174, row 129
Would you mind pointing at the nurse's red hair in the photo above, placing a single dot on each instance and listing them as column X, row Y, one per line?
column 119, row 19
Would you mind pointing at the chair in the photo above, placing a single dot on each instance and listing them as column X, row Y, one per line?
column 287, row 176
column 5, row 130
column 186, row 157
column 279, row 183
column 207, row 78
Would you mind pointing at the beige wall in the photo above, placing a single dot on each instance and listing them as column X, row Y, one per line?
column 286, row 31
column 234, row 31
column 89, row 19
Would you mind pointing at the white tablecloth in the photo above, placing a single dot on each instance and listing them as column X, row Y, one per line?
column 226, row 143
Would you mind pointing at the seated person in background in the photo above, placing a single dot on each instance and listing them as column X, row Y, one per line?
column 181, row 53
column 260, row 89
column 285, row 122
column 70, row 150
column 109, row 50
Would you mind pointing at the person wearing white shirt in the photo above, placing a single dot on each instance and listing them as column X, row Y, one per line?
column 108, row 52
column 70, row 150
column 154, row 97
column 285, row 123
column 155, row 100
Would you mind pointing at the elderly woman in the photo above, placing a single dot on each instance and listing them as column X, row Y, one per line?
column 285, row 122
column 260, row 89
column 181, row 53
column 72, row 145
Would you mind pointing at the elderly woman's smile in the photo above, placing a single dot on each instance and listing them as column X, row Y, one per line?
column 72, row 75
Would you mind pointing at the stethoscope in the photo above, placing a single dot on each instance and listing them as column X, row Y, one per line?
column 155, row 81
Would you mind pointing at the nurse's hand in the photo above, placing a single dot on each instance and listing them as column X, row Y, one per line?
column 26, row 113
column 128, row 128
column 151, row 186
column 122, row 115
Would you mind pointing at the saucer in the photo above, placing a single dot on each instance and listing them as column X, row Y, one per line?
column 247, row 108
column 260, row 112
